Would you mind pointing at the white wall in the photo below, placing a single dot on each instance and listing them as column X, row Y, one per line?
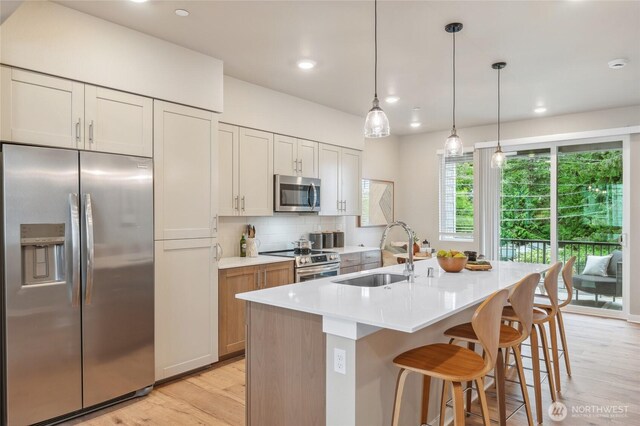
column 249, row 105
column 49, row 38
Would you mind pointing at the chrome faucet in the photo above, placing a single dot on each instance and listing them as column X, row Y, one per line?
column 409, row 267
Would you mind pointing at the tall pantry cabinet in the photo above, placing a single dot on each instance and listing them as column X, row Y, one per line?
column 186, row 248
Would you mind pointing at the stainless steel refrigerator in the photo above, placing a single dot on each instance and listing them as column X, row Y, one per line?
column 77, row 280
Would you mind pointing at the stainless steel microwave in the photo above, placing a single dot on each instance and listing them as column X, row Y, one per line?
column 296, row 194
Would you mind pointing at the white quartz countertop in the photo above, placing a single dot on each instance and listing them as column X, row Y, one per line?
column 351, row 249
column 239, row 262
column 401, row 306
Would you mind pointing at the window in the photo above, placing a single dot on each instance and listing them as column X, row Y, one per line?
column 456, row 197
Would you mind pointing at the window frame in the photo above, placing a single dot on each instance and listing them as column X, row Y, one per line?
column 443, row 212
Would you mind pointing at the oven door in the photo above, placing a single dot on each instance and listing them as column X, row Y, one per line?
column 315, row 272
column 296, row 194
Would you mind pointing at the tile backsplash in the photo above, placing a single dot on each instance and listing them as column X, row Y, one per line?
column 274, row 232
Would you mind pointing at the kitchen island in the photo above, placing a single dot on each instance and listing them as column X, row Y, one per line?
column 320, row 352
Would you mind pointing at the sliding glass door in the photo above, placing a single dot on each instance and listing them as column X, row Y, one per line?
column 566, row 199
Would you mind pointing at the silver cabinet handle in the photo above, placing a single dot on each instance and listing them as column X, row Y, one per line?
column 214, row 223
column 88, row 212
column 243, row 203
column 75, row 249
column 345, row 205
column 91, row 132
column 236, row 202
column 78, row 131
column 300, row 169
column 258, row 279
column 264, row 282
column 295, row 165
column 219, row 252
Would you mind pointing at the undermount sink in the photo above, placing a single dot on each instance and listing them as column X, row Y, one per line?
column 373, row 280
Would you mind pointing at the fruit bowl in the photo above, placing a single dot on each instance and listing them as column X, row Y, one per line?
column 452, row 264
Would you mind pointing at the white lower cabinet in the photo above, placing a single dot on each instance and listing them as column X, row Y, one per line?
column 186, row 305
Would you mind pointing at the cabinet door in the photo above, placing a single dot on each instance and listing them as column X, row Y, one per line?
column 329, row 171
column 351, row 181
column 41, row 110
column 118, row 122
column 255, row 181
column 308, row 158
column 276, row 274
column 285, row 155
column 185, row 154
column 186, row 306
column 232, row 311
column 228, row 200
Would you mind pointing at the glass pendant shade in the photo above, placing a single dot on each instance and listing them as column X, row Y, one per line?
column 377, row 124
column 498, row 159
column 453, row 145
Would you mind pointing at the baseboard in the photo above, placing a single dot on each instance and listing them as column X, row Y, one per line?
column 633, row 318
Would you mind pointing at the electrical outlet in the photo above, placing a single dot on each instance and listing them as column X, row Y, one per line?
column 339, row 361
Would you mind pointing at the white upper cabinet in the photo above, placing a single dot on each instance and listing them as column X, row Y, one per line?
column 295, row 157
column 351, row 177
column 41, row 110
column 186, row 180
column 118, row 122
column 246, row 172
column 329, row 160
column 255, row 183
column 340, row 171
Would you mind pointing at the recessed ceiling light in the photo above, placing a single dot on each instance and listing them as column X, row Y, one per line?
column 415, row 124
column 415, row 108
column 540, row 110
column 306, row 64
column 182, row 12
column 618, row 63
column 139, row 1
column 391, row 99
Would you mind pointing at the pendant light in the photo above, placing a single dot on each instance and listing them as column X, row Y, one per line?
column 376, row 125
column 453, row 144
column 498, row 159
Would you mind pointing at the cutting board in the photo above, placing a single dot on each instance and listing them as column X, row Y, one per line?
column 475, row 267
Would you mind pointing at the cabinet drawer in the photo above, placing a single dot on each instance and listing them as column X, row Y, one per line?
column 368, row 266
column 371, row 256
column 349, row 270
column 350, row 259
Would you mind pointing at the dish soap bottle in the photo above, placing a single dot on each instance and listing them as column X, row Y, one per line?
column 243, row 246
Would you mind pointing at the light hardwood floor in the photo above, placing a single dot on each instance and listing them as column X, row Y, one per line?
column 605, row 361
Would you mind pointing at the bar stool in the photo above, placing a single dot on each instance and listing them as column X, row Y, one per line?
column 455, row 364
column 567, row 277
column 540, row 318
column 521, row 299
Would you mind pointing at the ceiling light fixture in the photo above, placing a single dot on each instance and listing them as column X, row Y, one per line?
column 618, row 63
column 415, row 124
column 377, row 124
column 182, row 13
column 453, row 144
column 306, row 64
column 540, row 110
column 498, row 159
column 391, row 99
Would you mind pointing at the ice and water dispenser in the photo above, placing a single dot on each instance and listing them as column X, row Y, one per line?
column 42, row 253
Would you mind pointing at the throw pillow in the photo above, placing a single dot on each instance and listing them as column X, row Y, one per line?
column 597, row 265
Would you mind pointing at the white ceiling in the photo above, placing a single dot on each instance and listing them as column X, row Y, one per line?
column 557, row 52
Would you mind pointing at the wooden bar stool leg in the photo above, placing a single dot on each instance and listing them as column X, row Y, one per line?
column 506, row 355
column 458, row 404
column 523, row 384
column 402, row 377
column 535, row 362
column 469, row 392
column 553, row 330
column 483, row 402
column 443, row 401
column 563, row 337
column 500, row 388
column 550, row 373
column 426, row 389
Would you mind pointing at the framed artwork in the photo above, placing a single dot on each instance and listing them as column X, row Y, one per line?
column 377, row 203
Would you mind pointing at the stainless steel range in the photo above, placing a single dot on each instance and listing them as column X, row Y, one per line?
column 311, row 265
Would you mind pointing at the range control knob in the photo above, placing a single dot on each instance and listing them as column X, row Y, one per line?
column 333, row 257
column 303, row 260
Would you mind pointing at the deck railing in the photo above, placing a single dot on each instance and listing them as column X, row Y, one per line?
column 539, row 251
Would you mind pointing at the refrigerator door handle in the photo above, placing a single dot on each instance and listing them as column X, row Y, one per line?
column 74, row 210
column 88, row 211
